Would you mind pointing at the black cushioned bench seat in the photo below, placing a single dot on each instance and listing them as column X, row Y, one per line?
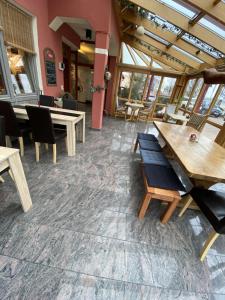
column 149, row 145
column 147, row 136
column 154, row 158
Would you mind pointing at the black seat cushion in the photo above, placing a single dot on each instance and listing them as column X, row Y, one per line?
column 154, row 158
column 163, row 177
column 212, row 204
column 147, row 136
column 149, row 145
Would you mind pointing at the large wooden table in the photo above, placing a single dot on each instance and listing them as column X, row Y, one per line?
column 10, row 157
column 203, row 161
column 74, row 117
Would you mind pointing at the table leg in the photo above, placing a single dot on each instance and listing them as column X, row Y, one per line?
column 16, row 168
column 71, row 138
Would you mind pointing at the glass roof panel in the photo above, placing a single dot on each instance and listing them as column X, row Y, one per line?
column 180, row 8
column 156, row 37
column 188, row 54
column 213, row 26
column 155, row 65
column 126, row 57
column 147, row 58
column 140, row 62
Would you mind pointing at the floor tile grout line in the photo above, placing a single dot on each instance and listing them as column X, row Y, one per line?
column 106, row 278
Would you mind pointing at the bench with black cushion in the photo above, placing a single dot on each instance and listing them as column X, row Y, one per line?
column 149, row 145
column 146, row 137
column 154, row 158
column 161, row 183
column 212, row 204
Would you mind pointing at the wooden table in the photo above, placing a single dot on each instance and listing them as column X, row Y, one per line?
column 203, row 161
column 10, row 157
column 68, row 120
column 134, row 109
column 178, row 118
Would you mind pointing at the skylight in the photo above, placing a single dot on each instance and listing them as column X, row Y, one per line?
column 188, row 54
column 156, row 37
column 126, row 57
column 147, row 58
column 155, row 65
column 213, row 26
column 139, row 61
column 179, row 8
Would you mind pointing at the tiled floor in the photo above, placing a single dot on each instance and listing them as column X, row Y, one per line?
column 82, row 238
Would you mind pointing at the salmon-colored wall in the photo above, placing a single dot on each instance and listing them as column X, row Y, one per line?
column 109, row 91
column 47, row 38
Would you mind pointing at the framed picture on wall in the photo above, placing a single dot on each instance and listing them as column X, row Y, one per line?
column 50, row 68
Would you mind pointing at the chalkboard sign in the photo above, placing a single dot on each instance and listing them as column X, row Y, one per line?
column 49, row 57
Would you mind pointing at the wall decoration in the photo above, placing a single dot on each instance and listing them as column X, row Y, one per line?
column 50, row 69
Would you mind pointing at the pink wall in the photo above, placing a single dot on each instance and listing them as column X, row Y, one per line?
column 47, row 38
column 109, row 92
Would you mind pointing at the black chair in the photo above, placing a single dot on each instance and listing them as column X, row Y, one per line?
column 12, row 127
column 70, row 104
column 45, row 100
column 42, row 129
column 2, row 143
column 212, row 204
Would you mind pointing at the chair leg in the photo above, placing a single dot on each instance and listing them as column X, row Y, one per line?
column 186, row 205
column 1, row 179
column 171, row 207
column 144, row 205
column 21, row 145
column 46, row 146
column 8, row 141
column 37, row 151
column 208, row 244
column 135, row 146
column 54, row 153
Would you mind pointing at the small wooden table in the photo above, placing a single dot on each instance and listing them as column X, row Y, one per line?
column 135, row 107
column 178, row 118
column 69, row 121
column 203, row 161
column 10, row 157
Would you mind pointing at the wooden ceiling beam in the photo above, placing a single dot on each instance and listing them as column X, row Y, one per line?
column 143, row 49
column 182, row 22
column 173, row 52
column 170, row 37
column 214, row 9
column 197, row 18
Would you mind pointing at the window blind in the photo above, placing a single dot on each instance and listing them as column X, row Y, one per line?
column 16, row 26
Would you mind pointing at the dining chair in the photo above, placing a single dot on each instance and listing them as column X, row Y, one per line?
column 13, row 128
column 70, row 104
column 212, row 205
column 45, row 100
column 197, row 121
column 120, row 110
column 170, row 109
column 146, row 113
column 43, row 132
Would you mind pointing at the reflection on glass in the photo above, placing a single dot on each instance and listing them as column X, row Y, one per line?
column 196, row 92
column 20, row 71
column 207, row 99
column 187, row 92
column 166, row 89
column 138, row 86
column 155, row 85
column 2, row 83
column 124, row 87
column 217, row 113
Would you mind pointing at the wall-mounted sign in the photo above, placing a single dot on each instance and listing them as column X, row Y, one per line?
column 49, row 58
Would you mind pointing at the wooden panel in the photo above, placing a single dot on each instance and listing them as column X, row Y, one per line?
column 203, row 160
column 181, row 21
column 169, row 37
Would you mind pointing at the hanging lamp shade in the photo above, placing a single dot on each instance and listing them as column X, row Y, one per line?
column 140, row 30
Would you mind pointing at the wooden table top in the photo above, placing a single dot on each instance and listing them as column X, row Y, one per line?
column 204, row 160
column 135, row 105
column 6, row 152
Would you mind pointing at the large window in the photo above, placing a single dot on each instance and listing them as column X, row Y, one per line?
column 19, row 64
column 124, row 88
column 204, row 105
column 217, row 113
column 195, row 94
column 166, row 89
column 155, row 82
column 187, row 92
column 138, row 86
column 2, row 83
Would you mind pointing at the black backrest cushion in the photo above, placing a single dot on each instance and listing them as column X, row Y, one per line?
column 69, row 104
column 45, row 100
column 2, row 131
column 41, row 124
column 11, row 124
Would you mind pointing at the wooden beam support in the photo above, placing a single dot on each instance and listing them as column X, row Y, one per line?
column 182, row 22
column 173, row 52
column 169, row 37
column 197, row 18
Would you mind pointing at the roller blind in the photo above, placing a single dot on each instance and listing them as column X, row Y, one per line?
column 16, row 26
